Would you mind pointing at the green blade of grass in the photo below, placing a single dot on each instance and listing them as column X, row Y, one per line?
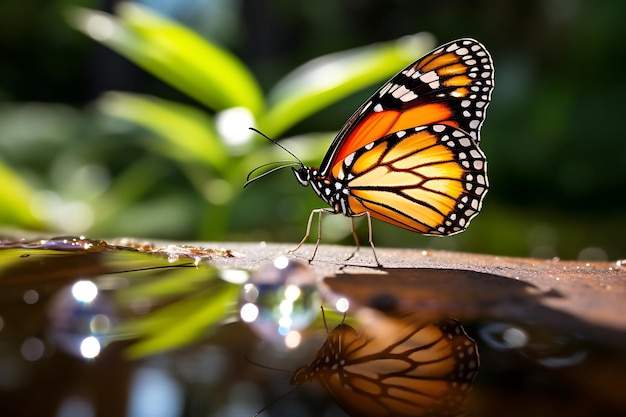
column 175, row 54
column 186, row 134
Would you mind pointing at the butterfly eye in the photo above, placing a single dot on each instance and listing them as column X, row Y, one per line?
column 303, row 175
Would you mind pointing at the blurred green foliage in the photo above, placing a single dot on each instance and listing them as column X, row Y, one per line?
column 155, row 162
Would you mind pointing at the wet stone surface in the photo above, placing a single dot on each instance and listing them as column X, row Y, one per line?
column 465, row 285
column 210, row 317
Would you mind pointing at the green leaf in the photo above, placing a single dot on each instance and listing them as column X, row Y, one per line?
column 16, row 197
column 181, row 323
column 330, row 78
column 186, row 133
column 175, row 54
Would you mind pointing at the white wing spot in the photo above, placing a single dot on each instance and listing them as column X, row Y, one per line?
column 378, row 108
column 409, row 72
column 348, row 160
column 384, row 90
column 366, row 106
column 408, row 97
column 429, row 77
column 475, row 154
column 400, row 91
column 465, row 142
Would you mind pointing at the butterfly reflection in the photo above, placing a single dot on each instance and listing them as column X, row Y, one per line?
column 396, row 366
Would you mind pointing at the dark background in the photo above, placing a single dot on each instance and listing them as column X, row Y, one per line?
column 553, row 135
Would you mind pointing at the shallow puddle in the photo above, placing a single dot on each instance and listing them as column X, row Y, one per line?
column 89, row 328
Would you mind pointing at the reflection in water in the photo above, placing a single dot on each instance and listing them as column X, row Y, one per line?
column 31, row 296
column 80, row 319
column 154, row 393
column 279, row 301
column 548, row 349
column 396, row 366
column 178, row 319
column 32, row 349
column 76, row 406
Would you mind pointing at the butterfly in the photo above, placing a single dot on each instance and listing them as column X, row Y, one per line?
column 396, row 366
column 410, row 155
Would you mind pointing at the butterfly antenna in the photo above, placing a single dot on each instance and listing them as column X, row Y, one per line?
column 276, row 400
column 277, row 144
column 286, row 164
column 324, row 319
column 260, row 365
column 296, row 163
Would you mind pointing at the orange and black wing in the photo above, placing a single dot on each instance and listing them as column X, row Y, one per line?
column 430, row 179
column 410, row 156
column 398, row 367
column 451, row 85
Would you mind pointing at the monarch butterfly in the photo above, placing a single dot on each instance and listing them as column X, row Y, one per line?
column 409, row 155
column 402, row 366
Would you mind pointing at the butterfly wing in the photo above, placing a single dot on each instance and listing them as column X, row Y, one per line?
column 398, row 367
column 430, row 179
column 450, row 85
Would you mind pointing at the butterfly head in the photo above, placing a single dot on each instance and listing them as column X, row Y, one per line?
column 301, row 376
column 303, row 175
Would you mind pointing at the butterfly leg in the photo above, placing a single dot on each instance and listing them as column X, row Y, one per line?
column 356, row 240
column 369, row 236
column 308, row 231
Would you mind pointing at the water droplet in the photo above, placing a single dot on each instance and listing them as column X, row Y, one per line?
column 32, row 349
column 80, row 319
column 503, row 336
column 546, row 348
column 280, row 299
column 31, row 297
